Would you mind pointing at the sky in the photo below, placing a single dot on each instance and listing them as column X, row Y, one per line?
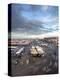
column 32, row 20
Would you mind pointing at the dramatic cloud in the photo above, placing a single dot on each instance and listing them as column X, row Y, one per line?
column 28, row 20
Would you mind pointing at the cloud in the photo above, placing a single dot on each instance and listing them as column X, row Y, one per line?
column 44, row 8
column 22, row 35
column 32, row 20
column 48, row 19
column 55, row 27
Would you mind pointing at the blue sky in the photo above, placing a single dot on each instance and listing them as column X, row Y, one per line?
column 29, row 20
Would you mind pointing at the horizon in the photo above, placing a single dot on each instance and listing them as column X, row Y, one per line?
column 42, row 36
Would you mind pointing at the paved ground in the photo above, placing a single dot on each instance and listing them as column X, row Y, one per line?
column 29, row 65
